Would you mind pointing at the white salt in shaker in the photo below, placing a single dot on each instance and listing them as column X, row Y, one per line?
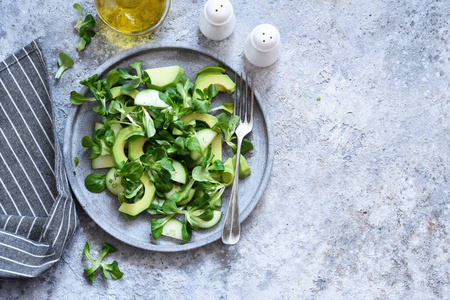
column 262, row 45
column 217, row 20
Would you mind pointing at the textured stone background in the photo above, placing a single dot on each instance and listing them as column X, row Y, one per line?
column 357, row 204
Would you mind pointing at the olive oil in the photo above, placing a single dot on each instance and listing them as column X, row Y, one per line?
column 131, row 16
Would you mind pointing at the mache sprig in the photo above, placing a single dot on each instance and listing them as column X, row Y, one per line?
column 109, row 270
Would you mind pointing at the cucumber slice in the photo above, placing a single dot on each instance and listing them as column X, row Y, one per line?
column 188, row 199
column 173, row 229
column 156, row 201
column 205, row 137
column 102, row 162
column 180, row 174
column 113, row 183
column 219, row 202
column 217, row 215
column 177, row 188
column 150, row 98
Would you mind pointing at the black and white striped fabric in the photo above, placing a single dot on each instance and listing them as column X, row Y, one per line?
column 37, row 212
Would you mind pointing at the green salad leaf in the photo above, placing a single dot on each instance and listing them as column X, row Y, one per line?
column 64, row 62
column 95, row 182
column 84, row 28
column 109, row 270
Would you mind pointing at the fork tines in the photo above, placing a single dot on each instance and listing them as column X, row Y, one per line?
column 239, row 106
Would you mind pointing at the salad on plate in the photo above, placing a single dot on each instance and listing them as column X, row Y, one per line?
column 157, row 145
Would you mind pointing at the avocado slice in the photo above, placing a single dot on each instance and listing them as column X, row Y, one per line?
column 221, row 81
column 230, row 166
column 228, row 172
column 202, row 75
column 114, row 127
column 216, row 147
column 136, row 148
column 208, row 119
column 116, row 92
column 162, row 78
column 244, row 168
column 133, row 209
column 118, row 148
column 211, row 69
column 104, row 161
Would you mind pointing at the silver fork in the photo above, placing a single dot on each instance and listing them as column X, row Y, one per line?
column 232, row 227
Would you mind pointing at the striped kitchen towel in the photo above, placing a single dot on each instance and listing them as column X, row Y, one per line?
column 37, row 212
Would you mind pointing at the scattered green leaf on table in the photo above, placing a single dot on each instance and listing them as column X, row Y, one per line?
column 64, row 62
column 84, row 28
column 109, row 270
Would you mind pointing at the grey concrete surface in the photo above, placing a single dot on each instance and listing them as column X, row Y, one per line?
column 357, row 206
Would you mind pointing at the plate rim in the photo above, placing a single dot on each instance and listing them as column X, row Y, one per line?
column 134, row 51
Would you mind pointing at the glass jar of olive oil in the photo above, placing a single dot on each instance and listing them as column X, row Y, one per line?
column 133, row 17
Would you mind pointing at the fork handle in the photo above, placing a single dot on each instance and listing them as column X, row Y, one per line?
column 232, row 226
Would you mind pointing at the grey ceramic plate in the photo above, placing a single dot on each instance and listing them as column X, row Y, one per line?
column 102, row 208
